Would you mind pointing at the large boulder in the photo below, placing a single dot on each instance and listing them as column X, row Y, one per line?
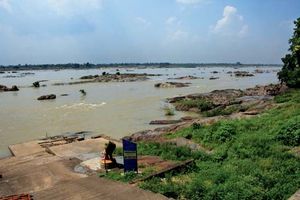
column 47, row 97
column 4, row 88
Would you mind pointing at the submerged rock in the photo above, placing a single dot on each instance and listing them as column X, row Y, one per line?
column 4, row 88
column 47, row 97
column 171, row 85
column 213, row 78
column 242, row 74
column 186, row 78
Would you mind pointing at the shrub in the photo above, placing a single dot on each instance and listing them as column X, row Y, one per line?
column 289, row 134
column 290, row 73
column 201, row 104
column 169, row 111
column 224, row 133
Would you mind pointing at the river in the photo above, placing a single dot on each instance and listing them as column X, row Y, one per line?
column 114, row 109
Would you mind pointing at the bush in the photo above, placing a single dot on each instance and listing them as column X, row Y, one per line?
column 201, row 104
column 289, row 134
column 290, row 73
column 169, row 111
column 224, row 133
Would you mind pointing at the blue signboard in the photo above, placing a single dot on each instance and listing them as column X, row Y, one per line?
column 130, row 156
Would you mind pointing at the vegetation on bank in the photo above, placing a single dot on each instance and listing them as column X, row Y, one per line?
column 290, row 73
column 251, row 158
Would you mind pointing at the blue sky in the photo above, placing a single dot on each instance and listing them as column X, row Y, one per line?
column 110, row 31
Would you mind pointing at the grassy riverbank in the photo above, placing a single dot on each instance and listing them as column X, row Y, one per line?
column 251, row 158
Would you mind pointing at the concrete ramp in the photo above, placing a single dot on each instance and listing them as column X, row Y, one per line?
column 82, row 150
column 95, row 188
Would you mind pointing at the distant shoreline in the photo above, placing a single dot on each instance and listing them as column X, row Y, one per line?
column 126, row 65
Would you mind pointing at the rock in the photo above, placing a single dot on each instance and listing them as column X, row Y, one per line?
column 186, row 78
column 47, row 97
column 271, row 90
column 259, row 71
column 2, row 72
column 251, row 112
column 171, row 85
column 89, row 77
column 242, row 74
column 36, row 84
column 4, row 88
column 187, row 118
column 213, row 78
column 214, row 72
column 164, row 122
column 175, row 99
column 64, row 95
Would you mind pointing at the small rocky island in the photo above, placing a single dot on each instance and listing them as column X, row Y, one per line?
column 105, row 77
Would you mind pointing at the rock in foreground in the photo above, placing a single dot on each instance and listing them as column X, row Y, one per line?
column 47, row 97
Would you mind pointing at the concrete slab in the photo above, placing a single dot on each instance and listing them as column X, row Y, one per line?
column 92, row 164
column 94, row 188
column 26, row 148
column 34, row 173
column 82, row 150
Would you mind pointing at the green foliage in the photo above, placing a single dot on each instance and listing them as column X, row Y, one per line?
column 290, row 73
column 201, row 104
column 120, row 176
column 290, row 96
column 166, row 151
column 246, row 163
column 167, row 187
column 169, row 111
column 221, row 110
column 289, row 133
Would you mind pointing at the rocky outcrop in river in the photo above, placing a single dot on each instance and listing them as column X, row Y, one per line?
column 4, row 88
column 118, row 77
column 47, row 97
column 171, row 85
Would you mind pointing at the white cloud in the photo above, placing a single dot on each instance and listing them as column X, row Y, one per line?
column 72, row 7
column 142, row 21
column 173, row 21
column 178, row 35
column 5, row 4
column 190, row 2
column 231, row 23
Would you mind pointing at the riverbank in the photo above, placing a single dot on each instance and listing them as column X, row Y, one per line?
column 246, row 158
column 113, row 108
column 234, row 156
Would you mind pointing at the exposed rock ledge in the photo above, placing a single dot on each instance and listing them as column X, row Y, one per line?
column 110, row 78
column 171, row 85
column 4, row 88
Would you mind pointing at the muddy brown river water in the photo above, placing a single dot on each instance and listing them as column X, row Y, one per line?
column 114, row 109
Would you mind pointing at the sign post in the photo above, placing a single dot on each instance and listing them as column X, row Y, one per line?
column 130, row 156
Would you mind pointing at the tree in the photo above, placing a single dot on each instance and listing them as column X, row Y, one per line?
column 290, row 73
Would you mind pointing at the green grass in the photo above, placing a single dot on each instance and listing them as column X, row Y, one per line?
column 251, row 157
column 201, row 104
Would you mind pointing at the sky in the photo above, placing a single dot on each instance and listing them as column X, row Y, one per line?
column 126, row 31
